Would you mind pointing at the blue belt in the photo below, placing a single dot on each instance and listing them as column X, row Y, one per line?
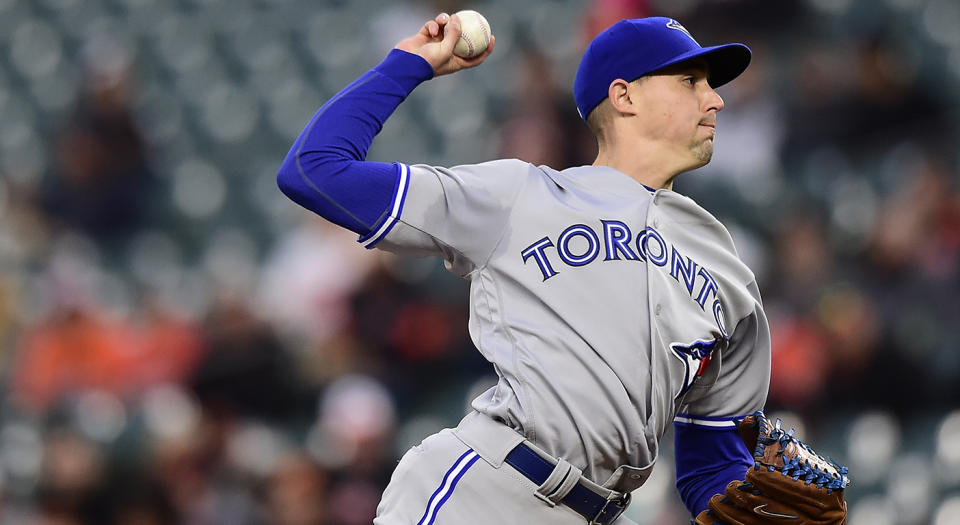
column 595, row 508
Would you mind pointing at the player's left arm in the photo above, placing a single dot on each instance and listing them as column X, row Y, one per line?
column 706, row 460
column 709, row 452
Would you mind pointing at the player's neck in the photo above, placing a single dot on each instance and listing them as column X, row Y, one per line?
column 648, row 170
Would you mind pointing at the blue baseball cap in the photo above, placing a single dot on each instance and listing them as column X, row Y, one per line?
column 632, row 48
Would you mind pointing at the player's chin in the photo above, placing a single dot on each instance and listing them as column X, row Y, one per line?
column 703, row 153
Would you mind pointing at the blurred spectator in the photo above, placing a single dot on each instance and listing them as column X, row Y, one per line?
column 851, row 323
column 407, row 332
column 82, row 346
column 544, row 128
column 139, row 500
column 862, row 102
column 801, row 364
column 308, row 279
column 804, row 262
column 102, row 178
column 604, row 13
column 353, row 438
column 354, row 501
column 73, row 468
column 245, row 371
column 8, row 303
column 169, row 347
column 76, row 349
column 919, row 224
column 296, row 493
column 190, row 468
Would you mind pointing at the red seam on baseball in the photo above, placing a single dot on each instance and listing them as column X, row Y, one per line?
column 469, row 44
column 486, row 35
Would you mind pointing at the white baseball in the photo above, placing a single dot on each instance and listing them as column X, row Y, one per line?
column 474, row 34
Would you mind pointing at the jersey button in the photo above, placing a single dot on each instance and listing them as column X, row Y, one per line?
column 657, row 310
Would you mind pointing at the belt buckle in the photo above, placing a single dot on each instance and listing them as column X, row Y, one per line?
column 620, row 502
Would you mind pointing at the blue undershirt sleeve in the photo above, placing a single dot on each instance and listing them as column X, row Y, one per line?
column 325, row 170
column 707, row 459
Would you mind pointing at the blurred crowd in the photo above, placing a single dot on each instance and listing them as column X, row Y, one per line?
column 180, row 344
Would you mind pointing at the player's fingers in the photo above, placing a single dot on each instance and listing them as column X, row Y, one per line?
column 442, row 19
column 483, row 56
column 433, row 28
column 451, row 33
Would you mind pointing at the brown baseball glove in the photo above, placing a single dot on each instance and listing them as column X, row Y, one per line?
column 789, row 482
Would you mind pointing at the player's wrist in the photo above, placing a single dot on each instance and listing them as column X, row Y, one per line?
column 405, row 68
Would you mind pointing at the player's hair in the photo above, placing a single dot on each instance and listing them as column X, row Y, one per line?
column 602, row 115
column 599, row 118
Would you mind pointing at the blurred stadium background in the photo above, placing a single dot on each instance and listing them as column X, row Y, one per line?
column 181, row 344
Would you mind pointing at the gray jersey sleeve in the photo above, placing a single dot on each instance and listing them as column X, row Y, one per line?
column 458, row 213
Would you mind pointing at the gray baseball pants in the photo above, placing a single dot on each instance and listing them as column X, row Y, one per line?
column 458, row 476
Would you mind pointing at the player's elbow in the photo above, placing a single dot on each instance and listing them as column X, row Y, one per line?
column 293, row 180
column 295, row 185
column 301, row 169
column 288, row 179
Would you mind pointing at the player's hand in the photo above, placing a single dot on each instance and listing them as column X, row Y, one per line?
column 435, row 43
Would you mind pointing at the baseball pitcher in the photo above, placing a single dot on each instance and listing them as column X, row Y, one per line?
column 609, row 306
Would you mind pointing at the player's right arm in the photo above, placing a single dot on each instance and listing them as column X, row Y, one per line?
column 326, row 172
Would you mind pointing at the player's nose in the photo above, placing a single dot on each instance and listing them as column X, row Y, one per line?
column 712, row 100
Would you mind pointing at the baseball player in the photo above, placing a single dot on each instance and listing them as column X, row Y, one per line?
column 610, row 306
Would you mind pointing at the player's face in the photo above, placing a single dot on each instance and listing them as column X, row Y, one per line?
column 678, row 112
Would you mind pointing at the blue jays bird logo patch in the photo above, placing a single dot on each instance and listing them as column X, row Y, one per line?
column 695, row 358
column 673, row 24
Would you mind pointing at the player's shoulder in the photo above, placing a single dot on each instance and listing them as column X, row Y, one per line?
column 684, row 210
column 490, row 168
column 603, row 180
column 520, row 172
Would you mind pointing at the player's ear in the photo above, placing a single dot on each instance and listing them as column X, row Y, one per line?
column 619, row 95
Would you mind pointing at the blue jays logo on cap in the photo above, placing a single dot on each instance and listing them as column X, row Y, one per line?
column 636, row 47
column 673, row 24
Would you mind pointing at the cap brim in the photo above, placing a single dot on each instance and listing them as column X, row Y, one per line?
column 725, row 62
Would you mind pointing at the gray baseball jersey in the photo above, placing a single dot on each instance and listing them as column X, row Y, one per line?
column 607, row 309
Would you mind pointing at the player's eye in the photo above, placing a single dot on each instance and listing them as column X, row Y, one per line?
column 689, row 80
